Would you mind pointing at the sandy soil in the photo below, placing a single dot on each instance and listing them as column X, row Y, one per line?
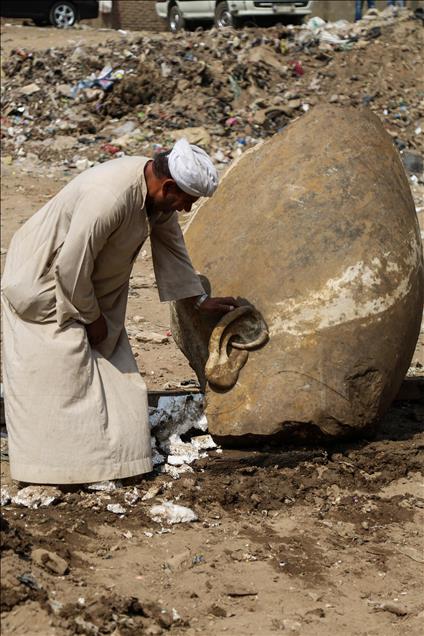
column 303, row 541
column 325, row 540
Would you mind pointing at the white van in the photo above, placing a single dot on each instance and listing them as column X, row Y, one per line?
column 225, row 13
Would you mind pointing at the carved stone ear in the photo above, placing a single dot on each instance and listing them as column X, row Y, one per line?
column 237, row 333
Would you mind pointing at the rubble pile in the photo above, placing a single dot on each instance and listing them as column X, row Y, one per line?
column 225, row 90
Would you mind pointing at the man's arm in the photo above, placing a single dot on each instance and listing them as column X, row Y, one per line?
column 175, row 274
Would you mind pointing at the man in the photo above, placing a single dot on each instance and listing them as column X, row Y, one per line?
column 358, row 8
column 76, row 405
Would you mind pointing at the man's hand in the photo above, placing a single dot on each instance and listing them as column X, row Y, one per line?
column 218, row 305
column 97, row 331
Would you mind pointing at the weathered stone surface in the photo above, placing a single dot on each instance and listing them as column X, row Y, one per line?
column 317, row 229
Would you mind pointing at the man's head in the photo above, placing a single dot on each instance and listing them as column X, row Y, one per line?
column 179, row 177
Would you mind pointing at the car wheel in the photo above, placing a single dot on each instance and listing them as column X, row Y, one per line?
column 223, row 16
column 63, row 15
column 176, row 20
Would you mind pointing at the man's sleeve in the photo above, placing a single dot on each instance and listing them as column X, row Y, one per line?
column 175, row 275
column 94, row 218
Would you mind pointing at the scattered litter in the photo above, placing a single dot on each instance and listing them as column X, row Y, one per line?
column 29, row 580
column 223, row 91
column 171, row 513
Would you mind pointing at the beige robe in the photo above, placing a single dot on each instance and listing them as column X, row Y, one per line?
column 77, row 414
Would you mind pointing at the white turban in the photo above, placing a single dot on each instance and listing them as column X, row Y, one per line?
column 192, row 169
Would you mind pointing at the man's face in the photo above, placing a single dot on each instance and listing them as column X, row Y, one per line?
column 171, row 198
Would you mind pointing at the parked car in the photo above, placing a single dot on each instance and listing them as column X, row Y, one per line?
column 225, row 13
column 59, row 13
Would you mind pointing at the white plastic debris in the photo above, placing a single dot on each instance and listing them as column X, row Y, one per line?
column 117, row 509
column 36, row 496
column 82, row 164
column 171, row 513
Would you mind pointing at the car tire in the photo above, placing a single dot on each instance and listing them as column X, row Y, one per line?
column 223, row 16
column 63, row 14
column 176, row 20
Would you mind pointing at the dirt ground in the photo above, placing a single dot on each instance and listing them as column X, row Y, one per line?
column 321, row 540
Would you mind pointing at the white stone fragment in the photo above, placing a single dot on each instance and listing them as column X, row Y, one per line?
column 179, row 414
column 179, row 452
column 176, row 471
column 117, row 509
column 132, row 496
column 5, row 496
column 36, row 496
column 203, row 442
column 151, row 493
column 106, row 486
column 171, row 513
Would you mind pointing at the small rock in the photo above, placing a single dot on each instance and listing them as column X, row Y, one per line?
column 116, row 508
column 50, row 561
column 393, row 608
column 176, row 471
column 318, row 612
column 85, row 627
column 178, row 561
column 203, row 442
column 151, row 493
column 217, row 610
column 36, row 496
column 105, row 486
column 131, row 497
column 5, row 496
column 291, row 625
column 29, row 89
column 413, row 162
column 151, row 336
column 171, row 513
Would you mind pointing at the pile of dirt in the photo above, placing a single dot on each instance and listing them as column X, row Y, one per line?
column 225, row 90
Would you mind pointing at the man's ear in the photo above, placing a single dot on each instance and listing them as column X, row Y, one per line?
column 169, row 187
